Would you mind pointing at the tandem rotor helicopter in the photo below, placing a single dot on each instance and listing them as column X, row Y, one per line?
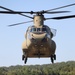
column 39, row 41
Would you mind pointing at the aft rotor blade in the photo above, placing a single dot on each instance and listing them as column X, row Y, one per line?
column 9, row 12
column 61, row 17
column 61, row 7
column 20, row 23
column 14, row 12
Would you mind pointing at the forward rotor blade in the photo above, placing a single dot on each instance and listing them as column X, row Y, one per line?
column 61, row 7
column 14, row 11
column 20, row 23
column 20, row 12
column 56, row 12
column 61, row 17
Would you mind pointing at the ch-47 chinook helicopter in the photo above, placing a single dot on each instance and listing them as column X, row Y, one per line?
column 39, row 41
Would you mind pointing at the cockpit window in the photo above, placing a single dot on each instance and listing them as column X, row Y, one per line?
column 33, row 29
column 38, row 29
column 44, row 29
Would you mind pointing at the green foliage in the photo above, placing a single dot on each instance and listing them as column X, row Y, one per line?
column 63, row 68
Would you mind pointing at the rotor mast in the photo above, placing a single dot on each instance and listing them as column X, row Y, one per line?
column 39, row 20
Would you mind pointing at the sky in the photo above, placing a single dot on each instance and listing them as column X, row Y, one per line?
column 11, row 38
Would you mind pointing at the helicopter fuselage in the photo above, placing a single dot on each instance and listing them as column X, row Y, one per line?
column 38, row 42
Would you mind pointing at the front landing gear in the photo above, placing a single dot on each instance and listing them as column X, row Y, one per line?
column 25, row 60
column 53, row 57
column 24, row 57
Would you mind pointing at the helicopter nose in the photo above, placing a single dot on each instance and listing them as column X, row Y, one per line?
column 39, row 36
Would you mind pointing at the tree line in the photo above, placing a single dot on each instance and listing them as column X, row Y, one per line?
column 63, row 68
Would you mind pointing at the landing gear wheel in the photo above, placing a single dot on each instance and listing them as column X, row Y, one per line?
column 23, row 57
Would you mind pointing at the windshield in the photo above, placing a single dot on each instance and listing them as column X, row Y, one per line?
column 41, row 30
column 33, row 29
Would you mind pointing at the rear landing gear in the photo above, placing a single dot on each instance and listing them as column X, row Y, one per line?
column 52, row 60
column 53, row 57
